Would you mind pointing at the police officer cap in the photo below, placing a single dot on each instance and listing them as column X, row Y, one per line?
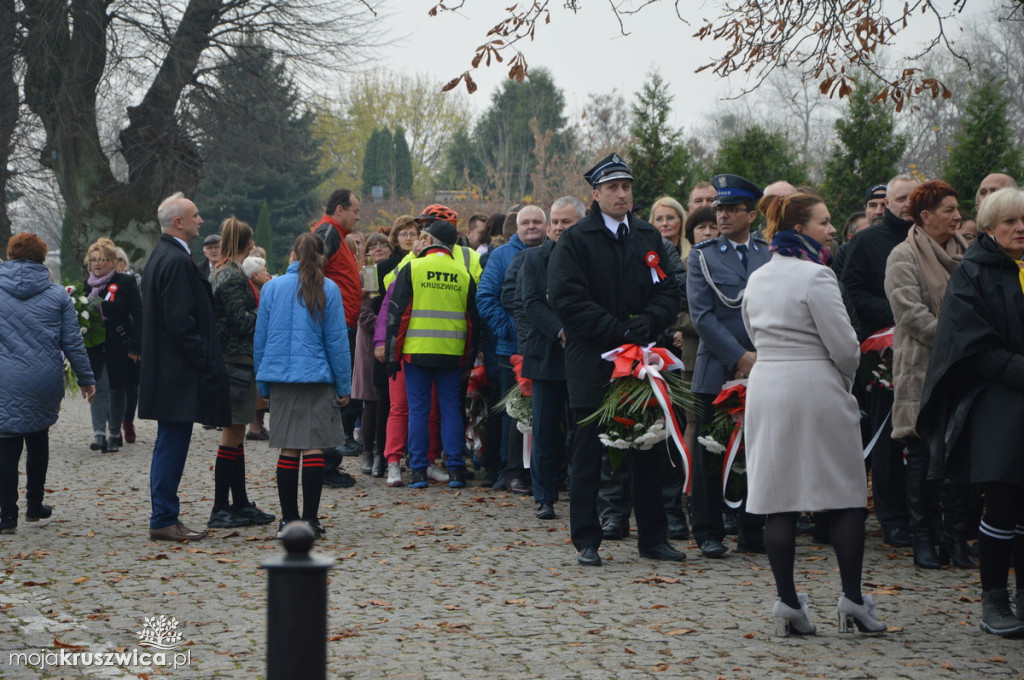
column 734, row 189
column 443, row 232
column 211, row 239
column 608, row 168
column 875, row 191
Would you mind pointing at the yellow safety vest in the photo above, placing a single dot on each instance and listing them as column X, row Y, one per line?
column 440, row 295
column 469, row 257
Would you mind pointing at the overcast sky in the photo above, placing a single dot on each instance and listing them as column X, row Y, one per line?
column 584, row 51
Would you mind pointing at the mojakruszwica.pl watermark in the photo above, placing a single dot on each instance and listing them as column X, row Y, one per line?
column 159, row 639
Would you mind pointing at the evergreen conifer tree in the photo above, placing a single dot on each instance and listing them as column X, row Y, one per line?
column 263, row 235
column 867, row 152
column 661, row 162
column 760, row 156
column 984, row 144
column 257, row 145
column 403, row 165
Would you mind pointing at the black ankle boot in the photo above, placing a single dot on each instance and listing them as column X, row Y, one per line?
column 38, row 511
column 924, row 552
column 955, row 550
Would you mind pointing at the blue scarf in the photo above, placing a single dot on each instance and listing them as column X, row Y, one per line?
column 794, row 244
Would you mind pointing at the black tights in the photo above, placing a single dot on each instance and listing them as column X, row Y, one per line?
column 36, row 462
column 847, row 527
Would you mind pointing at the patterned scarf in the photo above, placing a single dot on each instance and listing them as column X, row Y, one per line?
column 794, row 244
column 98, row 282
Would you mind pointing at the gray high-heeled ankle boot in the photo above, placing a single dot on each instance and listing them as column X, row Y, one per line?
column 789, row 621
column 862, row 617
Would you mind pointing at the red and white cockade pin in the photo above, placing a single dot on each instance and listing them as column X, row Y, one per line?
column 651, row 259
column 111, row 291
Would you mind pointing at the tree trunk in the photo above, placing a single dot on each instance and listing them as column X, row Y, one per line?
column 9, row 104
column 65, row 53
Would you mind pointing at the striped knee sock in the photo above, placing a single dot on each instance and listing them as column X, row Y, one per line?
column 995, row 549
column 312, row 484
column 222, row 471
column 238, row 492
column 288, row 487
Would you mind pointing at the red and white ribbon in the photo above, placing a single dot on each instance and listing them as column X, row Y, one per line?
column 731, row 451
column 652, row 260
column 647, row 363
column 732, row 390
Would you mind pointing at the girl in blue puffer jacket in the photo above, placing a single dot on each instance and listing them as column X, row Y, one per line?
column 301, row 355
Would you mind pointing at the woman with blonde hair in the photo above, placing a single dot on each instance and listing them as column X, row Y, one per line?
column 234, row 303
column 973, row 398
column 301, row 356
column 112, row 359
column 668, row 217
column 802, row 424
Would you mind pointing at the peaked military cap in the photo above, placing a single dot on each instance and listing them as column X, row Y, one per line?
column 608, row 168
column 734, row 189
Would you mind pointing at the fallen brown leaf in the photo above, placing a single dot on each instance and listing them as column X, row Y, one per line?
column 681, row 631
column 64, row 645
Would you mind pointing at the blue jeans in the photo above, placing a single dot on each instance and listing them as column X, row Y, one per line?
column 418, row 381
column 169, row 453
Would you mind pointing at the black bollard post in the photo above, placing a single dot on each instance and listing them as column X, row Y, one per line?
column 297, row 608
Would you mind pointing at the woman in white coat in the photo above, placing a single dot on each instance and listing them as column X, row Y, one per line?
column 802, row 424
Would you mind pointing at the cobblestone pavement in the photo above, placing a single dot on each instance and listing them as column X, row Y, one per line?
column 438, row 583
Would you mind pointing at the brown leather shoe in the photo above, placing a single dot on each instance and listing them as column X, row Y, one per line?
column 176, row 532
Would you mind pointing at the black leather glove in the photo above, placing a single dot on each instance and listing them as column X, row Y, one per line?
column 391, row 368
column 638, row 330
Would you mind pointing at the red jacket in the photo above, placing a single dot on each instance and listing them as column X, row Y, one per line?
column 341, row 266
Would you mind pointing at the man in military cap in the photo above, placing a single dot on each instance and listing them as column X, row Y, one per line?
column 605, row 287
column 717, row 273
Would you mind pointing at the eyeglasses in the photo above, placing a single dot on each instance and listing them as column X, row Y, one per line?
column 378, row 246
column 93, row 260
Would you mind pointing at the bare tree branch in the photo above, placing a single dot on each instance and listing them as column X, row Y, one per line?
column 824, row 41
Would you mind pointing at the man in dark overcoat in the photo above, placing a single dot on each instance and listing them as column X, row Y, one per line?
column 183, row 380
column 716, row 276
column 863, row 284
column 605, row 288
column 541, row 344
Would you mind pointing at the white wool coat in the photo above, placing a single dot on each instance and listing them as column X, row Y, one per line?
column 802, row 424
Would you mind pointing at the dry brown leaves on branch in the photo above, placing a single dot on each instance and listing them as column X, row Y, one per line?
column 824, row 41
